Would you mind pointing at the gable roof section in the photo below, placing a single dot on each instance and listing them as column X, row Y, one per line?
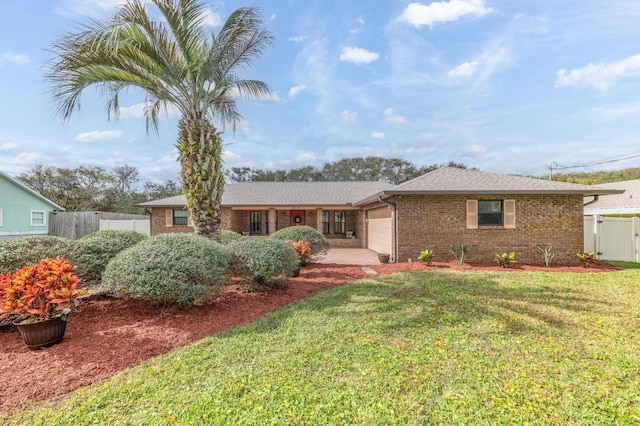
column 453, row 180
column 30, row 191
column 286, row 194
column 625, row 203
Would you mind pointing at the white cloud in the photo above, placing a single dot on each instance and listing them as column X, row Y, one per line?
column 463, row 70
column 418, row 14
column 600, row 76
column 475, row 149
column 358, row 55
column 391, row 117
column 348, row 116
column 377, row 135
column 9, row 146
column 298, row 38
column 359, row 26
column 137, row 111
column 98, row 136
column 15, row 58
column 88, row 7
column 230, row 157
column 296, row 89
column 29, row 157
column 305, row 158
column 211, row 18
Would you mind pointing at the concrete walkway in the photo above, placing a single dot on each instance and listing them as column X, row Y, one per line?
column 350, row 256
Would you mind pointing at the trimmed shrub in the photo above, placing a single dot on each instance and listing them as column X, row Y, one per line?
column 317, row 242
column 95, row 251
column 264, row 263
column 180, row 268
column 229, row 236
column 19, row 252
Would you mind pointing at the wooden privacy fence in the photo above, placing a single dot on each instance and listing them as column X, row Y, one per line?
column 612, row 238
column 75, row 225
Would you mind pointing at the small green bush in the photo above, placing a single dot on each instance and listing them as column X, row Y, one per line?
column 180, row 268
column 229, row 236
column 95, row 251
column 317, row 242
column 263, row 262
column 19, row 252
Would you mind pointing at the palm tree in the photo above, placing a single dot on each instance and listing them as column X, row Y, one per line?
column 176, row 62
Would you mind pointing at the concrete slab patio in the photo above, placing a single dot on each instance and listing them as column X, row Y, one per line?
column 350, row 256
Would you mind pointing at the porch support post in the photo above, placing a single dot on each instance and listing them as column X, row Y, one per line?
column 272, row 220
column 319, row 220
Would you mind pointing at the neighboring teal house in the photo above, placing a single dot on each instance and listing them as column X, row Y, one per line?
column 23, row 212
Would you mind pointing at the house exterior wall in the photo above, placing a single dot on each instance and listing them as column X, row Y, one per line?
column 239, row 221
column 16, row 205
column 439, row 223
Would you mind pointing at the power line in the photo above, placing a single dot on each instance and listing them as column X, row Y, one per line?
column 555, row 166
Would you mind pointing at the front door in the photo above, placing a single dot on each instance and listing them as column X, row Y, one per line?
column 297, row 217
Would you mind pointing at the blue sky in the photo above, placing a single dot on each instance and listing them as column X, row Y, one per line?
column 505, row 86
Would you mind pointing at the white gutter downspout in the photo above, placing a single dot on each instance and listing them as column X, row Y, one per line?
column 394, row 240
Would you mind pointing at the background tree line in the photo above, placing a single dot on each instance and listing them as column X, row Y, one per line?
column 390, row 170
column 94, row 188
column 593, row 178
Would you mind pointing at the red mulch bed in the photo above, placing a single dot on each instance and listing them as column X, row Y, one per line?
column 105, row 336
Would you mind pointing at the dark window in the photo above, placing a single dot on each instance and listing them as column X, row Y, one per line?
column 339, row 219
column 325, row 222
column 489, row 213
column 180, row 217
column 255, row 223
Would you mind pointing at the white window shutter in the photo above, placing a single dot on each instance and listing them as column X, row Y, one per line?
column 169, row 218
column 472, row 214
column 510, row 214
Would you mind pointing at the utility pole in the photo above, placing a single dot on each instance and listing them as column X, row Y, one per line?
column 552, row 165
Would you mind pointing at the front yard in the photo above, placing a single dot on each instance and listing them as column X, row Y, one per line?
column 432, row 347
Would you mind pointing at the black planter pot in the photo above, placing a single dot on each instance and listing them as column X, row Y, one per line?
column 383, row 257
column 42, row 334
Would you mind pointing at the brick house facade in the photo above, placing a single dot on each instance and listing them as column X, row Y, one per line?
column 440, row 210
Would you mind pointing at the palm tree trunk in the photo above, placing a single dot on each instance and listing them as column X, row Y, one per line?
column 200, row 149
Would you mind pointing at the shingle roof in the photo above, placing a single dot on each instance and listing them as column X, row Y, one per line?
column 26, row 188
column 287, row 194
column 452, row 180
column 625, row 203
column 446, row 180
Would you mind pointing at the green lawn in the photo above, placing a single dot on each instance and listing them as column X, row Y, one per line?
column 411, row 348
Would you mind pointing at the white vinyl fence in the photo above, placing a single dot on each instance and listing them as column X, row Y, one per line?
column 612, row 238
column 141, row 225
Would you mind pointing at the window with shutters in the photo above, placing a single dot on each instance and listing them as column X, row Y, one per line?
column 339, row 224
column 180, row 218
column 491, row 213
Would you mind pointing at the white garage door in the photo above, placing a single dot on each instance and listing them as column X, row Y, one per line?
column 379, row 230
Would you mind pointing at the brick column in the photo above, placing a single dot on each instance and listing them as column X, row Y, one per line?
column 272, row 220
column 319, row 221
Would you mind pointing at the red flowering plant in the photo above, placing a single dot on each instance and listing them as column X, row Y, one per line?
column 35, row 293
column 302, row 249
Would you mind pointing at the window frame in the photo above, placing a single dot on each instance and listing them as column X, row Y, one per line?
column 326, row 222
column 508, row 211
column 255, row 226
column 44, row 218
column 176, row 220
column 340, row 222
column 490, row 214
column 1, row 218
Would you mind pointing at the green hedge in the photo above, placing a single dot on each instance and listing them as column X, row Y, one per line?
column 263, row 262
column 180, row 268
column 317, row 242
column 95, row 251
column 19, row 252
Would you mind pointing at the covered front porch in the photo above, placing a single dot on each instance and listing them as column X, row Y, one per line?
column 342, row 227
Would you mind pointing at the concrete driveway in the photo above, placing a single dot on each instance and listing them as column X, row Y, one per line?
column 350, row 256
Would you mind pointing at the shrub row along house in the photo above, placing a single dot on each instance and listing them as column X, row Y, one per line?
column 440, row 210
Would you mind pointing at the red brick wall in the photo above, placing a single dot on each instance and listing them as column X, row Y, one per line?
column 439, row 223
